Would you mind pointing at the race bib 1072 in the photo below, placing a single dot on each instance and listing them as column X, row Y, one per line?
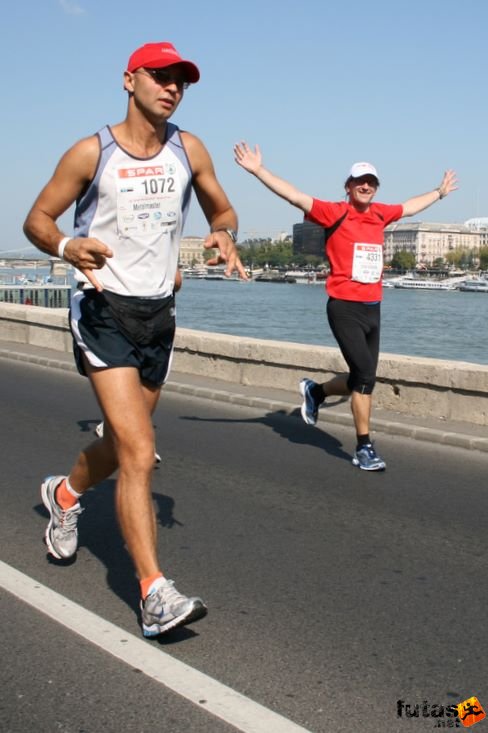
column 148, row 199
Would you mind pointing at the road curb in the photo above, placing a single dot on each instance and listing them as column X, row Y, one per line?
column 407, row 430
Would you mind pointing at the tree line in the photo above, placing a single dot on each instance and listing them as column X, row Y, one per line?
column 258, row 253
column 460, row 258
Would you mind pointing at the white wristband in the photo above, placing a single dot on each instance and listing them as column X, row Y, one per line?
column 62, row 245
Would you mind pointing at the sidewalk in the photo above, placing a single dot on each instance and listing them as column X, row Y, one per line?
column 460, row 434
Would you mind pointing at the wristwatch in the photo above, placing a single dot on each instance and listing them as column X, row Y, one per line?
column 231, row 232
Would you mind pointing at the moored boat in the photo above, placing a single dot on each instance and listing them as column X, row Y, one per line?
column 476, row 285
column 306, row 277
column 194, row 273
column 423, row 284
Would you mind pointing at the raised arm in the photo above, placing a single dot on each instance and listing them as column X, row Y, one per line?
column 215, row 205
column 419, row 203
column 75, row 169
column 251, row 161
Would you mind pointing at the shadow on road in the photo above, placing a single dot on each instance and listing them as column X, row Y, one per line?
column 89, row 425
column 292, row 429
column 99, row 533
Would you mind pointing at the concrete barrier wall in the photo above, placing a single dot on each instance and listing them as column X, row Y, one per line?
column 412, row 385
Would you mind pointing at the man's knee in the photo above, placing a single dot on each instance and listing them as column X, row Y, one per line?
column 135, row 454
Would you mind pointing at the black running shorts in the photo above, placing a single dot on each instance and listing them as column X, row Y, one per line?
column 356, row 328
column 127, row 331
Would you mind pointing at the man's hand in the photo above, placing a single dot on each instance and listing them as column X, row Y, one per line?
column 87, row 254
column 227, row 253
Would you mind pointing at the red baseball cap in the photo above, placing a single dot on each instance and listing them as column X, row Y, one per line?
column 159, row 55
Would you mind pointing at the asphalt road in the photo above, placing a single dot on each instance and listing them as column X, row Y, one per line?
column 332, row 593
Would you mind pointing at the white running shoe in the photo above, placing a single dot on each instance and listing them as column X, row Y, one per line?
column 165, row 609
column 62, row 531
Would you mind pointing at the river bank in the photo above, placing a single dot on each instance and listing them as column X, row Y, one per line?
column 429, row 323
column 437, row 324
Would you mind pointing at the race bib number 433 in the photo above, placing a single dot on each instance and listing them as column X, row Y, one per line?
column 148, row 199
column 367, row 262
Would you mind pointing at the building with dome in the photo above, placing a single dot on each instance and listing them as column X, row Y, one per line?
column 480, row 225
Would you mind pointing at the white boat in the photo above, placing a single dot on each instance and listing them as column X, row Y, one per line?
column 423, row 284
column 306, row 277
column 476, row 285
column 389, row 281
column 194, row 273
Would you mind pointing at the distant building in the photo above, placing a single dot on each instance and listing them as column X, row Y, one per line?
column 479, row 225
column 429, row 241
column 308, row 239
column 191, row 251
column 283, row 237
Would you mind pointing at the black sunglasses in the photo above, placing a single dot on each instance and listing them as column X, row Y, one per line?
column 166, row 77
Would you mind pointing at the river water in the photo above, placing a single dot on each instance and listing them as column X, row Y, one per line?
column 438, row 324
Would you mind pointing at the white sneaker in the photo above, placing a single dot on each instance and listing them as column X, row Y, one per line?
column 165, row 609
column 62, row 531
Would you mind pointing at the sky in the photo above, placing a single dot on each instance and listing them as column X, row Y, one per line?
column 318, row 84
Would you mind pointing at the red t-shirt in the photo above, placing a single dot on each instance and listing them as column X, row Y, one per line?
column 355, row 249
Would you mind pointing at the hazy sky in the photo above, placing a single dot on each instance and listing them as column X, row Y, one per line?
column 319, row 84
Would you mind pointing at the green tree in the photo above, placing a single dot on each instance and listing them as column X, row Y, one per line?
column 461, row 257
column 483, row 254
column 402, row 260
column 258, row 253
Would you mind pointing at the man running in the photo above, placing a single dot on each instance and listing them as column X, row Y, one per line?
column 355, row 253
column 132, row 184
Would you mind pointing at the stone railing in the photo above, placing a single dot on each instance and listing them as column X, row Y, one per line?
column 452, row 390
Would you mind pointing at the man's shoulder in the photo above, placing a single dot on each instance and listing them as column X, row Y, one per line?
column 196, row 151
column 83, row 155
column 189, row 138
column 89, row 145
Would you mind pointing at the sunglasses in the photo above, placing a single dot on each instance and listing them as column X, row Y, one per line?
column 165, row 77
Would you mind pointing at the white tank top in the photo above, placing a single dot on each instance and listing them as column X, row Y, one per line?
column 138, row 208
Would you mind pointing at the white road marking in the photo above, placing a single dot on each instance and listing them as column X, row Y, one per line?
column 205, row 692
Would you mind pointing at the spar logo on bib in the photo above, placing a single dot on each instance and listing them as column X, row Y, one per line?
column 141, row 171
